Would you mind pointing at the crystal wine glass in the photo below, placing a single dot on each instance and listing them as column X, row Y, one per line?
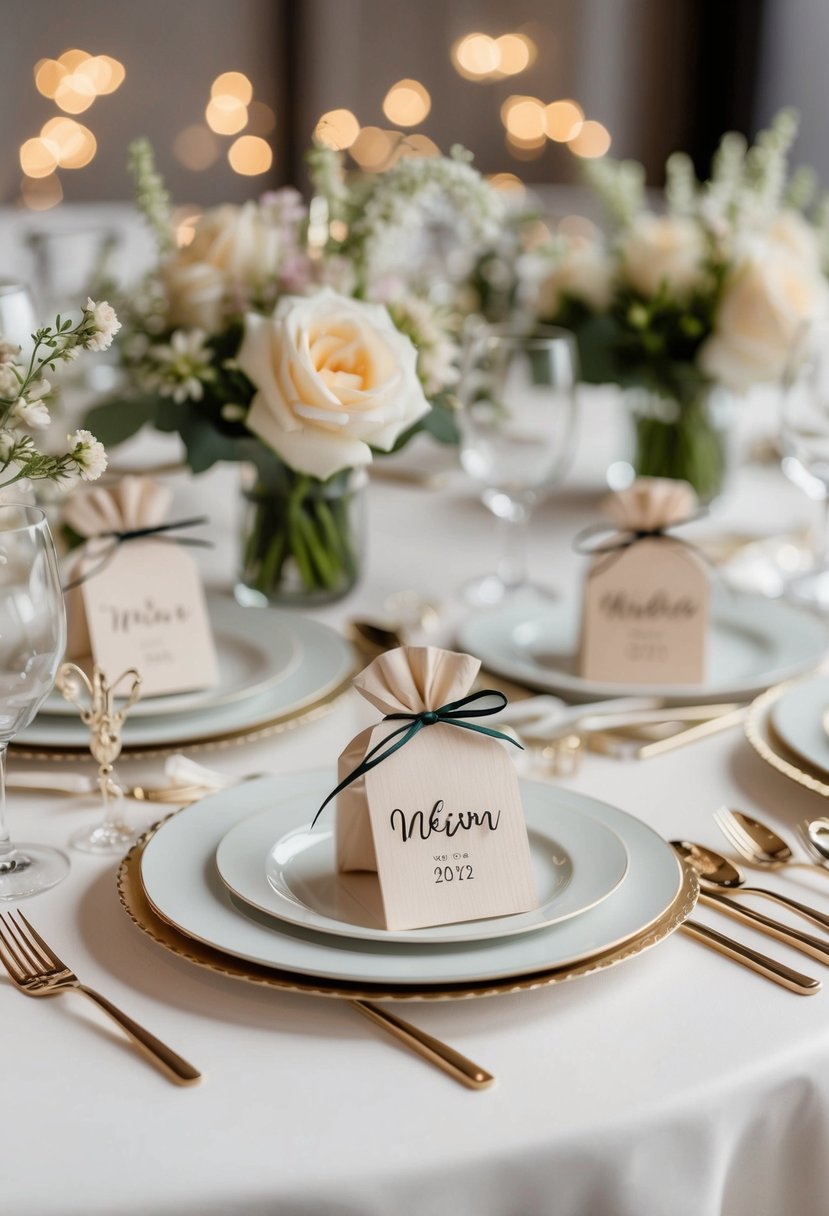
column 805, row 444
column 517, row 424
column 32, row 640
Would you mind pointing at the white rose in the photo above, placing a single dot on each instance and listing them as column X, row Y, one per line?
column 581, row 271
column 334, row 378
column 767, row 302
column 793, row 233
column 663, row 249
column 195, row 295
column 234, row 251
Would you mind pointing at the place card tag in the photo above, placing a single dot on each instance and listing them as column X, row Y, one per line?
column 145, row 608
column 645, row 615
column 448, row 830
column 433, row 805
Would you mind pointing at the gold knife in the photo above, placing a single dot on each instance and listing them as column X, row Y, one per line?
column 440, row 1054
column 778, row 973
column 805, row 942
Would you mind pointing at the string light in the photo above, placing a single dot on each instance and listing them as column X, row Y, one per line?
column 225, row 114
column 233, row 84
column 564, row 120
column 479, row 57
column 592, row 140
column 196, row 148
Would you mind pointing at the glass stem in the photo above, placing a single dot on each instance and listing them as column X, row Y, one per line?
column 821, row 539
column 512, row 565
column 5, row 846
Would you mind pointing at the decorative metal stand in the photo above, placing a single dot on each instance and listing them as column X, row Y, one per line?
column 95, row 700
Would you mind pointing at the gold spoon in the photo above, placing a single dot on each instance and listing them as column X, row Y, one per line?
column 716, row 871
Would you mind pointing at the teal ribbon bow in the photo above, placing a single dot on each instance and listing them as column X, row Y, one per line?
column 454, row 713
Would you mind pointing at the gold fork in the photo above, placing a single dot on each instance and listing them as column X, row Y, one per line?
column 37, row 971
column 757, row 844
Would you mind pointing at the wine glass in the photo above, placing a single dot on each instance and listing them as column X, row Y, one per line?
column 32, row 640
column 18, row 318
column 517, row 425
column 805, row 445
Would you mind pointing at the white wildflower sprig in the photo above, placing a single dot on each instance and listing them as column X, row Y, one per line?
column 681, row 184
column 327, row 173
column 179, row 368
column 24, row 391
column 430, row 329
column 151, row 195
column 620, row 184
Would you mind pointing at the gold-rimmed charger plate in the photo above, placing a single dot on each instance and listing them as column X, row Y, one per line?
column 219, row 740
column 142, row 914
column 760, row 732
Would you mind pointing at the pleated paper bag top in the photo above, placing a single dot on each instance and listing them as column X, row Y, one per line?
column 439, row 815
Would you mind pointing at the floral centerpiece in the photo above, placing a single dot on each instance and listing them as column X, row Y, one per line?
column 703, row 301
column 294, row 339
column 25, row 394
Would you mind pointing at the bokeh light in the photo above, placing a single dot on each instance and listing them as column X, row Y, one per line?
column 372, row 148
column 73, row 58
column 578, row 226
column 564, row 120
column 515, row 53
column 233, row 84
column 48, row 75
column 104, row 73
column 72, row 144
column 476, row 56
column 38, row 157
column 525, row 118
column 337, row 129
column 225, row 114
column 75, row 93
column 592, row 140
column 508, row 183
column 250, row 155
column 39, row 194
column 416, row 145
column 261, row 119
column 184, row 220
column 407, row 103
column 196, row 147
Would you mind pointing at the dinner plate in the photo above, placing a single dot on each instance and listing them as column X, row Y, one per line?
column 753, row 643
column 797, row 718
column 762, row 736
column 184, row 888
column 577, row 862
column 252, row 654
column 326, row 666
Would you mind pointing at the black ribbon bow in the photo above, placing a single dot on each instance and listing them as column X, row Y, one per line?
column 158, row 531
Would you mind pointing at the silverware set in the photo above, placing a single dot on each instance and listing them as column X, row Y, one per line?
column 721, row 880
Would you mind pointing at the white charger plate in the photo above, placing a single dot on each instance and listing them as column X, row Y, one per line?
column 753, row 643
column 326, row 662
column 250, row 661
column 577, row 862
column 180, row 879
column 797, row 719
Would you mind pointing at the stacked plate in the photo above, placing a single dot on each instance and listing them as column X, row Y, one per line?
column 788, row 726
column 753, row 643
column 274, row 667
column 241, row 884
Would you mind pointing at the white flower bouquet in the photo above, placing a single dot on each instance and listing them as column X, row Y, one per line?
column 25, row 394
column 712, row 295
column 289, row 337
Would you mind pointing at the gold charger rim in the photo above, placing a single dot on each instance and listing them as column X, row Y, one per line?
column 761, row 735
column 137, row 906
column 221, row 739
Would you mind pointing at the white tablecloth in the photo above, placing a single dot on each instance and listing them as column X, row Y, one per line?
column 675, row 1085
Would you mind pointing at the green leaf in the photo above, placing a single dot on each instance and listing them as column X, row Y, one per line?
column 118, row 419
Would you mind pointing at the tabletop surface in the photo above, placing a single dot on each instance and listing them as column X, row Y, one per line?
column 677, row 1083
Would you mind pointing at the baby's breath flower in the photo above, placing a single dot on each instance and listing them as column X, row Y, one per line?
column 180, row 368
column 99, row 326
column 88, row 455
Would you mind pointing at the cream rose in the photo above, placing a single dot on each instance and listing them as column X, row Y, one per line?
column 334, row 379
column 663, row 249
column 234, row 250
column 767, row 303
column 581, row 270
column 794, row 234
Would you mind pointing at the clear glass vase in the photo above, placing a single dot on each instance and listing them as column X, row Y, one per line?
column 302, row 539
column 688, row 439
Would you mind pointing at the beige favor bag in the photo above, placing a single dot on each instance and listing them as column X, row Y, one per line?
column 440, row 817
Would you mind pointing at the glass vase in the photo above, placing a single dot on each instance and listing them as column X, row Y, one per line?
column 302, row 539
column 688, row 439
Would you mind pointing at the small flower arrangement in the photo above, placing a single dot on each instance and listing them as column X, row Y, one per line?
column 293, row 337
column 25, row 392
column 711, row 295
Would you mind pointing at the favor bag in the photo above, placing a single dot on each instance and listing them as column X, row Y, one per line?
column 646, row 597
column 134, row 596
column 429, row 799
